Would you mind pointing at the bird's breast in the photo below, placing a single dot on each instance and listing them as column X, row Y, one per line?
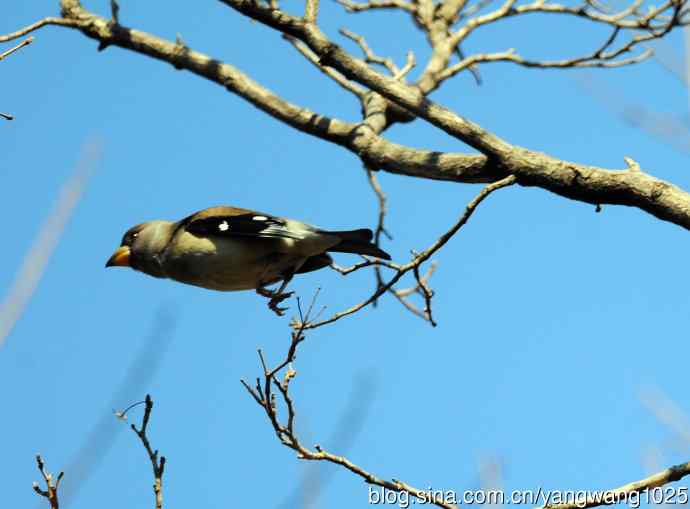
column 225, row 264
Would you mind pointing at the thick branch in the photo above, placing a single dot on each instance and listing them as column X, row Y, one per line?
column 580, row 182
column 366, row 144
column 621, row 494
column 353, row 68
column 182, row 57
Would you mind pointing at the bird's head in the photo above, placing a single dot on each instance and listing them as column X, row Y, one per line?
column 142, row 246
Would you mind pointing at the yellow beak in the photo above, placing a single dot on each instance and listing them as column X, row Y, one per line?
column 120, row 258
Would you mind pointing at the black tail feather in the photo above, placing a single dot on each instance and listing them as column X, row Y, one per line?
column 315, row 263
column 358, row 242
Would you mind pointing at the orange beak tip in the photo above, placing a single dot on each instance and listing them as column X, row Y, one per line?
column 120, row 258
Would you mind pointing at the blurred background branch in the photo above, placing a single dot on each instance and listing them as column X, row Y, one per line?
column 36, row 259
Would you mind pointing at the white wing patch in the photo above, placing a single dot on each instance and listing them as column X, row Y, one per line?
column 260, row 218
column 224, row 226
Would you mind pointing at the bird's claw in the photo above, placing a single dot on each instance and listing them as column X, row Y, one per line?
column 273, row 305
column 276, row 297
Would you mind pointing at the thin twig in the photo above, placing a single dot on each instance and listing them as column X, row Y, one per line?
column 158, row 465
column 328, row 71
column 380, row 223
column 35, row 26
column 25, row 42
column 377, row 4
column 369, row 55
column 284, row 429
column 115, row 12
column 409, row 65
column 401, row 270
column 421, row 288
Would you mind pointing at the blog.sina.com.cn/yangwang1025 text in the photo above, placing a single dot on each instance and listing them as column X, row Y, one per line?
column 662, row 495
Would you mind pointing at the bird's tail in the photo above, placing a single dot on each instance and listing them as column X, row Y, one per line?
column 358, row 242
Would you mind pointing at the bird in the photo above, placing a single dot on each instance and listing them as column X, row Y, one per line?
column 227, row 248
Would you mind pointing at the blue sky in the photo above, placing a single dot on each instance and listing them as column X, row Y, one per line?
column 552, row 318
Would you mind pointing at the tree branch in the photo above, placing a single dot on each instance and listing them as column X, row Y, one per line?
column 226, row 75
column 367, row 145
column 51, row 491
column 158, row 465
column 35, row 26
column 413, row 265
column 262, row 393
column 311, row 11
column 369, row 55
column 353, row 88
column 377, row 4
column 622, row 493
column 580, row 182
column 25, row 42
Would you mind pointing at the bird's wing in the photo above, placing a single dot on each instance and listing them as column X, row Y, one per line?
column 236, row 222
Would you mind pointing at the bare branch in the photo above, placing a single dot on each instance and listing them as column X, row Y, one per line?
column 381, row 201
column 530, row 168
column 596, row 59
column 377, row 4
column 51, row 491
column 115, row 12
column 311, row 11
column 449, row 10
column 642, row 27
column 226, row 75
column 369, row 55
column 500, row 163
column 380, row 223
column 472, row 10
column 158, row 465
column 401, row 270
column 331, row 73
column 422, row 288
column 35, row 26
column 622, row 493
column 628, row 18
column 409, row 65
column 285, row 429
column 25, row 42
column 408, row 97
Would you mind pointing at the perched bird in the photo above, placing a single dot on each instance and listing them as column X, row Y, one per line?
column 229, row 248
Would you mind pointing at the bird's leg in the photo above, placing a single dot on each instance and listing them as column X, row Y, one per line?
column 276, row 296
column 279, row 295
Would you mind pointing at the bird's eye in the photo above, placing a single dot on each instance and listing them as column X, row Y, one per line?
column 135, row 235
